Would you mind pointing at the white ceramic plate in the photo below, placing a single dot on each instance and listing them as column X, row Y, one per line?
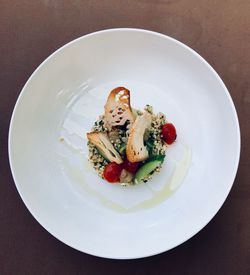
column 60, row 102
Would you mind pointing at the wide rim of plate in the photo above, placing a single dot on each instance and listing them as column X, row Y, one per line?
column 178, row 43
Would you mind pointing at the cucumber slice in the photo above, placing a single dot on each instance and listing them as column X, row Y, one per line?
column 146, row 169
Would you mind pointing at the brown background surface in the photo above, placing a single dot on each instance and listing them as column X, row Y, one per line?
column 220, row 32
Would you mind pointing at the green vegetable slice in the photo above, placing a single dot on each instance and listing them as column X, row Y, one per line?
column 148, row 168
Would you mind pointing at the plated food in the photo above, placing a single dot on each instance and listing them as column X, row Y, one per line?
column 127, row 145
column 59, row 104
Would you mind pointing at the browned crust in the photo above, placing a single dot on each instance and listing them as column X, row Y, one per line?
column 130, row 152
column 135, row 154
column 116, row 91
column 115, row 108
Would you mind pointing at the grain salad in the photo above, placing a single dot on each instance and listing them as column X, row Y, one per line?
column 127, row 145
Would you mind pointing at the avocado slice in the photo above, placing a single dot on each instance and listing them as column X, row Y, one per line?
column 148, row 167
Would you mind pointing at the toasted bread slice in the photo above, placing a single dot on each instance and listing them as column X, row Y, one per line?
column 102, row 142
column 117, row 108
column 135, row 149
